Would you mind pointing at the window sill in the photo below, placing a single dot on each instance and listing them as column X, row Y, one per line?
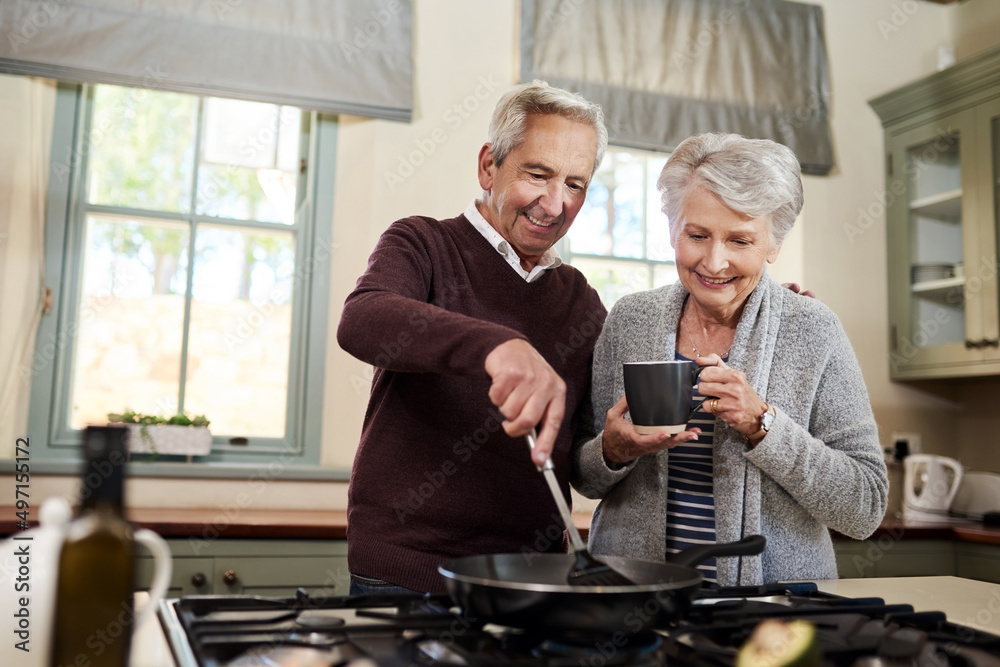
column 272, row 470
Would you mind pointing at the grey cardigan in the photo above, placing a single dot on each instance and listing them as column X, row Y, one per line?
column 820, row 464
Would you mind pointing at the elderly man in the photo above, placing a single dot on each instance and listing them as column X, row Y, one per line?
column 478, row 333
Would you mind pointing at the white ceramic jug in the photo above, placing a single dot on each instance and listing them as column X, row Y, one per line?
column 29, row 565
column 930, row 483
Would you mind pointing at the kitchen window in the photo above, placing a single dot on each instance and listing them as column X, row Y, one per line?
column 620, row 239
column 188, row 260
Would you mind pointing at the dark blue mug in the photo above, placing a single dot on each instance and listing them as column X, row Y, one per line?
column 659, row 394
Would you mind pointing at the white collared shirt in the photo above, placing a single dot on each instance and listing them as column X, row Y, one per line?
column 549, row 260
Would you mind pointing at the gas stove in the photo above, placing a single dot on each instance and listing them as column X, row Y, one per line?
column 241, row 631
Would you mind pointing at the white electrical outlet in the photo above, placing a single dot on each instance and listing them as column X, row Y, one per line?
column 912, row 440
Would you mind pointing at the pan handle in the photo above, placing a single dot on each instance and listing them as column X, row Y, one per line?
column 748, row 546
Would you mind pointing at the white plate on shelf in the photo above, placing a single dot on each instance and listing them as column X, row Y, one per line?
column 922, row 273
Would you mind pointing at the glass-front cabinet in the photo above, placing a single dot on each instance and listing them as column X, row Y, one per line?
column 942, row 200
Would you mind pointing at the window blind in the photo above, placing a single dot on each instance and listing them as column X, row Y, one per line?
column 664, row 70
column 338, row 56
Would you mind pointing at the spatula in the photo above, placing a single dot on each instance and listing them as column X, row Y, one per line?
column 587, row 570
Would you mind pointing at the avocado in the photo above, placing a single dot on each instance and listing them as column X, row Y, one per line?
column 775, row 643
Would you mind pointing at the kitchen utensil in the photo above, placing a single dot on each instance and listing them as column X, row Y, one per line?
column 529, row 590
column 587, row 570
column 930, row 483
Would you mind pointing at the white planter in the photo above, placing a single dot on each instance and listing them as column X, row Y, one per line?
column 167, row 439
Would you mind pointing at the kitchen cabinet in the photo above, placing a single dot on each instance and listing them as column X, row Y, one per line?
column 978, row 561
column 252, row 567
column 942, row 161
column 887, row 557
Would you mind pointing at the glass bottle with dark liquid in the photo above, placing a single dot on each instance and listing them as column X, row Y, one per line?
column 94, row 612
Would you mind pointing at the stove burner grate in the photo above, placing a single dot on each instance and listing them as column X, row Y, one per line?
column 220, row 631
column 640, row 649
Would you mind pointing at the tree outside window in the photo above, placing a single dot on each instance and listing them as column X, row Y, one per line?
column 187, row 298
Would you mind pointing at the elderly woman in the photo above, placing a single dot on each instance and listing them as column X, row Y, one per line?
column 788, row 445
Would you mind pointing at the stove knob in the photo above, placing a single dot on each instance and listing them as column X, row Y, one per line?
column 198, row 579
column 230, row 577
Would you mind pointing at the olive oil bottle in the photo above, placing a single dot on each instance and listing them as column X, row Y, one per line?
column 94, row 611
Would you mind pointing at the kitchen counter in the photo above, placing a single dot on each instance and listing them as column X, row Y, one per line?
column 964, row 601
column 332, row 524
column 149, row 644
column 963, row 530
column 237, row 523
column 229, row 522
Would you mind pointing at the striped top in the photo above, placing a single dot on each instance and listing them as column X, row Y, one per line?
column 690, row 499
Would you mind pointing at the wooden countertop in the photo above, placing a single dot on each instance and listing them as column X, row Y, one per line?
column 236, row 523
column 332, row 524
column 224, row 523
column 962, row 530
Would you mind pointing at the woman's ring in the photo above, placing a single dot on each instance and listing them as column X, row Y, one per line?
column 713, row 406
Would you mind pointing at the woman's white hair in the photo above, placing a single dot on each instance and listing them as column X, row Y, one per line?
column 511, row 114
column 758, row 178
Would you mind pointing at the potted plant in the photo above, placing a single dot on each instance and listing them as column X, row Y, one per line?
column 179, row 434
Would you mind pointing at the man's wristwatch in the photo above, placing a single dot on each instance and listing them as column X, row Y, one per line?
column 766, row 419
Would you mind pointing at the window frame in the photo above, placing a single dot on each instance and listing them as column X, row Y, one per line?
column 53, row 442
column 565, row 244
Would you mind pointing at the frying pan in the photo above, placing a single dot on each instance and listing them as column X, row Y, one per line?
column 530, row 591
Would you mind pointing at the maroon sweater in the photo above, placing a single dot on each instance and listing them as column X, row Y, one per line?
column 435, row 476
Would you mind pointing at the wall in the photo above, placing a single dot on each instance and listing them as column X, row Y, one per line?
column 387, row 171
column 874, row 47
column 955, row 418
column 466, row 55
column 976, row 27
